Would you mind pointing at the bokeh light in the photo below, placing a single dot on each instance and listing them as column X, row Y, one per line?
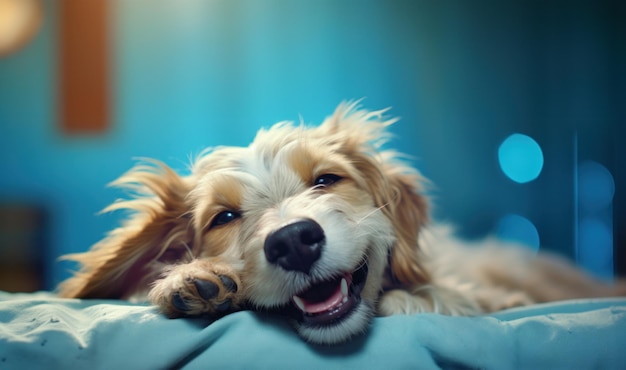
column 519, row 229
column 521, row 158
column 595, row 240
column 596, row 186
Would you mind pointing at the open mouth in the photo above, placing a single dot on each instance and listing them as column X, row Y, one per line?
column 327, row 302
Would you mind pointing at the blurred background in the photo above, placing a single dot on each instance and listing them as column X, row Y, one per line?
column 516, row 110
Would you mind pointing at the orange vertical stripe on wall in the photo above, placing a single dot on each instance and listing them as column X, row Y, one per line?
column 84, row 79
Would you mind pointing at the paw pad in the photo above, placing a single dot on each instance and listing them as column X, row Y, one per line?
column 179, row 303
column 207, row 289
column 224, row 306
column 229, row 284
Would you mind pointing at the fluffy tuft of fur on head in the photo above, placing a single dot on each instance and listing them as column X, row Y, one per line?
column 396, row 187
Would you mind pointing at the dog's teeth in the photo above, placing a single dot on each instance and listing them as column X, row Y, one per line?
column 298, row 301
column 344, row 287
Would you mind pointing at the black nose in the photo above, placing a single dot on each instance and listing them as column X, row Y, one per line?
column 296, row 246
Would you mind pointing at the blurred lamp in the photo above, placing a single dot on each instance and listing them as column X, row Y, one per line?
column 19, row 22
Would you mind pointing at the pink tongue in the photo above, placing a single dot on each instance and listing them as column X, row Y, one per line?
column 332, row 301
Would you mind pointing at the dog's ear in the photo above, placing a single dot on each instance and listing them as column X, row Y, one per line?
column 397, row 190
column 158, row 230
column 407, row 209
column 395, row 187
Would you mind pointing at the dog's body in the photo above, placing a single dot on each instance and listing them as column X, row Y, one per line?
column 318, row 223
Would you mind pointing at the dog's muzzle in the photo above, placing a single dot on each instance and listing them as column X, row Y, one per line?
column 296, row 247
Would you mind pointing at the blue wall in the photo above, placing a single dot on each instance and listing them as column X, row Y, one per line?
column 463, row 76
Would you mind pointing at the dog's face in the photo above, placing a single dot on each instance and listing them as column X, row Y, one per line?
column 316, row 222
column 309, row 214
column 300, row 221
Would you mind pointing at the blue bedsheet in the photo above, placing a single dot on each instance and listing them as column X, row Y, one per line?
column 41, row 331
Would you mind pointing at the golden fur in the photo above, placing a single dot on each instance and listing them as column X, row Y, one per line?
column 205, row 244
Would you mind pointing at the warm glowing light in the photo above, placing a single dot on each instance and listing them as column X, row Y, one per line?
column 19, row 22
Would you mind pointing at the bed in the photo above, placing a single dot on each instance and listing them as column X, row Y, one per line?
column 39, row 330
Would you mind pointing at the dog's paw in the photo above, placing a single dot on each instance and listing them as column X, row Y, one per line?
column 197, row 288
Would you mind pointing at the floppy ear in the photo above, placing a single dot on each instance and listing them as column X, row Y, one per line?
column 396, row 188
column 408, row 211
column 158, row 230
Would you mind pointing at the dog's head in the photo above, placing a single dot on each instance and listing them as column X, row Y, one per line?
column 318, row 220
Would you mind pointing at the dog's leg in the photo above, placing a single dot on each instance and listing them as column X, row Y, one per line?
column 427, row 298
column 546, row 278
column 200, row 287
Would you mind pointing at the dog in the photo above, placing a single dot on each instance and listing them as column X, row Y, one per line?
column 317, row 223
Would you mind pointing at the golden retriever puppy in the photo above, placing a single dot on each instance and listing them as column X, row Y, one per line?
column 318, row 223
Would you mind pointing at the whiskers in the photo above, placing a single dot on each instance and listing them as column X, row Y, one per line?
column 374, row 211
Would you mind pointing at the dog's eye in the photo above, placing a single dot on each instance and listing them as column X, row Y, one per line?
column 327, row 179
column 225, row 217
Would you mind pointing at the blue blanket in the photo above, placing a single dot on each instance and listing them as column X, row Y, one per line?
column 41, row 331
